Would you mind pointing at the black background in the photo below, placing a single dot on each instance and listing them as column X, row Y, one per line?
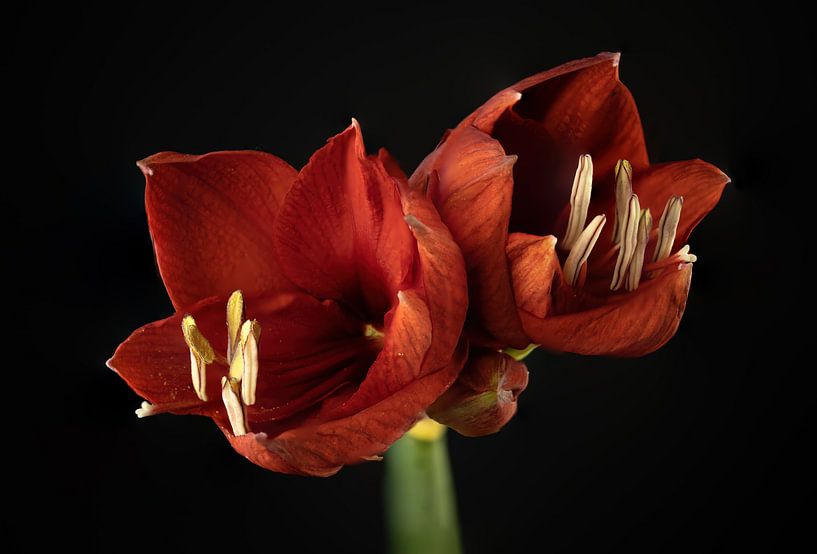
column 700, row 447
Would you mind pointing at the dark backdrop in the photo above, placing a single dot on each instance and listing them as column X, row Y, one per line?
column 700, row 447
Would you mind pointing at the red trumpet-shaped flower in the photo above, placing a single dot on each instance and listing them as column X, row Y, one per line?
column 572, row 239
column 318, row 313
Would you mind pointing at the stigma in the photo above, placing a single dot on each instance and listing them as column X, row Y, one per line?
column 632, row 231
column 239, row 385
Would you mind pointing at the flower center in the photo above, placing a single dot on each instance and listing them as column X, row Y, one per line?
column 238, row 386
column 631, row 231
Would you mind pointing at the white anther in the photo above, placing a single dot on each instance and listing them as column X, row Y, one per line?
column 235, row 410
column 582, row 248
column 667, row 226
column 146, row 410
column 624, row 190
column 579, row 200
column 637, row 263
column 683, row 255
column 629, row 241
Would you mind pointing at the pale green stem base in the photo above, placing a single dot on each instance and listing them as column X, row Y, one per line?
column 421, row 508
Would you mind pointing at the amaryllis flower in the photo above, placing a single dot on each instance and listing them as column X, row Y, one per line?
column 572, row 239
column 318, row 313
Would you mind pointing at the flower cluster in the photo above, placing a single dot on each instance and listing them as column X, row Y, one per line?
column 321, row 313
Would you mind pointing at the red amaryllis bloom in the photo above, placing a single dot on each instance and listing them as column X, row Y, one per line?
column 506, row 183
column 346, row 327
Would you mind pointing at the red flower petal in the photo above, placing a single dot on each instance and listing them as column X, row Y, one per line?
column 340, row 232
column 211, row 220
column 578, row 108
column 155, row 361
column 701, row 184
column 535, row 271
column 472, row 191
column 629, row 324
column 321, row 448
column 483, row 399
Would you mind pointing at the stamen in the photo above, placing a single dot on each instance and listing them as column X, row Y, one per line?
column 624, row 190
column 667, row 226
column 250, row 333
column 581, row 250
column 146, row 410
column 683, row 255
column 579, row 200
column 629, row 241
column 196, row 341
column 201, row 354
column 637, row 264
column 235, row 410
column 198, row 373
column 235, row 315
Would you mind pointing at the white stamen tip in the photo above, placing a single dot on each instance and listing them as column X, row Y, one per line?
column 579, row 200
column 582, row 248
column 146, row 410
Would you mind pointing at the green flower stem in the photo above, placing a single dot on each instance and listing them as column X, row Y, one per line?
column 421, row 508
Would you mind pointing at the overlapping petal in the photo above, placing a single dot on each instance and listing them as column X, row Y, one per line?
column 701, row 184
column 470, row 180
column 340, row 233
column 322, row 447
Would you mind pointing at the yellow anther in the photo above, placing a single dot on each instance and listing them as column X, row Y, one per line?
column 582, row 248
column 196, row 341
column 235, row 316
column 235, row 409
column 667, row 226
column 624, row 190
column 579, row 200
column 629, row 241
column 201, row 354
column 637, row 263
